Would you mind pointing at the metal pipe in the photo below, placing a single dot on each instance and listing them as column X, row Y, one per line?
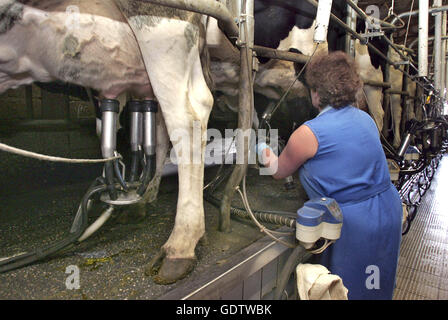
column 444, row 48
column 109, row 113
column 246, row 107
column 149, row 109
column 247, row 20
column 362, row 39
column 413, row 43
column 211, row 8
column 423, row 26
column 397, row 49
column 136, row 137
column 278, row 54
column 351, row 22
column 404, row 145
column 438, row 47
column 365, row 17
column 386, row 100
column 377, row 84
column 354, row 34
column 415, row 12
column 397, row 92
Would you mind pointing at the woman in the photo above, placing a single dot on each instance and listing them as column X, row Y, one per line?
column 339, row 155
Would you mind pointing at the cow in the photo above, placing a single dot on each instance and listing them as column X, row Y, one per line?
column 396, row 80
column 373, row 95
column 287, row 26
column 115, row 47
column 293, row 32
column 152, row 52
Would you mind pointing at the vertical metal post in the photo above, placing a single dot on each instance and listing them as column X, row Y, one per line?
column 423, row 19
column 245, row 98
column 444, row 50
column 322, row 20
column 351, row 22
column 386, row 99
column 404, row 102
column 438, row 48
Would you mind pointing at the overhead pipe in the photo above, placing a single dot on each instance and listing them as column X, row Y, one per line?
column 416, row 12
column 413, row 43
column 423, row 26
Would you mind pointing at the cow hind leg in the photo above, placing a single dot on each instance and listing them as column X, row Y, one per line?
column 176, row 74
column 396, row 118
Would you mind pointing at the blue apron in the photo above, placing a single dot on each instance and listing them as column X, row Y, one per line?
column 350, row 166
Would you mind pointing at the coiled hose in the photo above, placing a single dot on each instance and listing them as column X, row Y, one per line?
column 273, row 217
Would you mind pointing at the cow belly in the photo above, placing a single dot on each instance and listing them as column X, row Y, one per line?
column 93, row 50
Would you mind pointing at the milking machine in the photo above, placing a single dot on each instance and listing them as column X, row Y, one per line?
column 111, row 188
column 143, row 152
column 422, row 147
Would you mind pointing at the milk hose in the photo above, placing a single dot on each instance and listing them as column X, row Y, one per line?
column 78, row 228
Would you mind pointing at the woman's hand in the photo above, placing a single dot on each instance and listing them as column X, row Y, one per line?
column 302, row 145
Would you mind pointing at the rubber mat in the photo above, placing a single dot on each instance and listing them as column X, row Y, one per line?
column 423, row 267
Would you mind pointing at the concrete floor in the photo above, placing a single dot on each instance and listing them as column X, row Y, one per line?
column 38, row 205
column 423, row 265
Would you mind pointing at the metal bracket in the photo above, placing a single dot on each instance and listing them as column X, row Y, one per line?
column 372, row 34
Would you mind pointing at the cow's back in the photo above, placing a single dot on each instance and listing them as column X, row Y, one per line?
column 83, row 42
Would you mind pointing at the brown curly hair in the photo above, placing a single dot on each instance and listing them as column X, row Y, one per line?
column 335, row 78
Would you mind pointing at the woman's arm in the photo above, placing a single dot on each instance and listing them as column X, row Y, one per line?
column 302, row 145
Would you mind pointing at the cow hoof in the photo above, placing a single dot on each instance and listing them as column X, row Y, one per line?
column 169, row 270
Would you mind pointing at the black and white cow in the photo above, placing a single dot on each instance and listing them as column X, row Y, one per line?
column 284, row 25
column 115, row 47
